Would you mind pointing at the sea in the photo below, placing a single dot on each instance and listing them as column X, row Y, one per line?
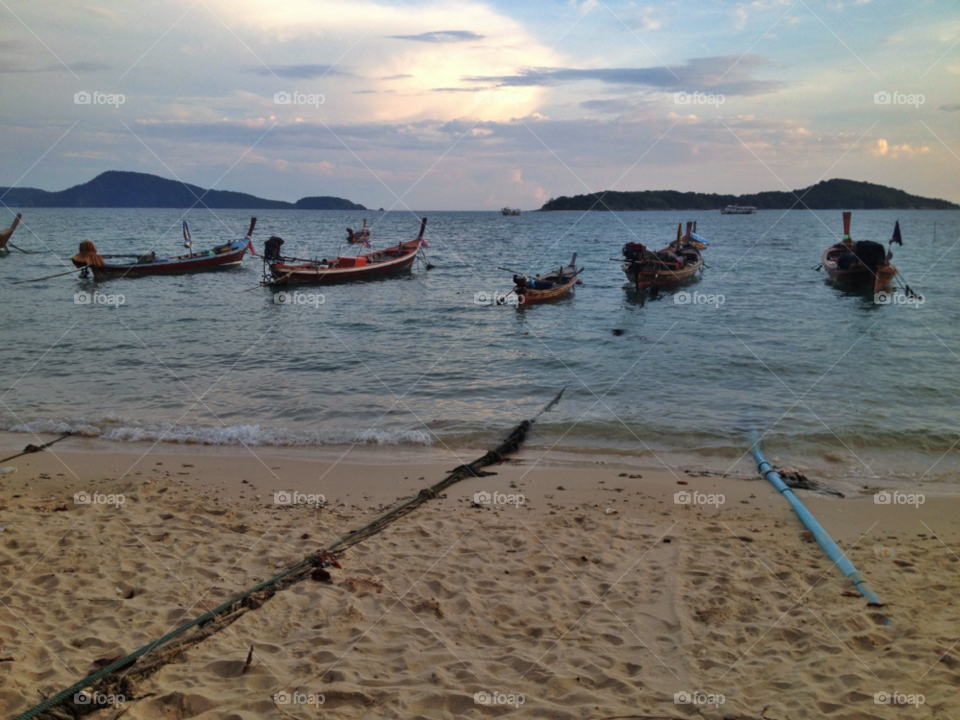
column 829, row 377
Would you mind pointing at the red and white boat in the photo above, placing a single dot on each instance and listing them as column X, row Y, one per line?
column 380, row 263
column 218, row 258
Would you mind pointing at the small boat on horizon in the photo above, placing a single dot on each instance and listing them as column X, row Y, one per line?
column 280, row 270
column 864, row 263
column 677, row 263
column 510, row 211
column 738, row 210
column 549, row 286
column 88, row 260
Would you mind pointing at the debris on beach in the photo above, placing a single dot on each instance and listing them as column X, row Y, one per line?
column 882, row 552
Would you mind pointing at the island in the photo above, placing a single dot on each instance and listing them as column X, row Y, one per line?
column 118, row 189
column 835, row 194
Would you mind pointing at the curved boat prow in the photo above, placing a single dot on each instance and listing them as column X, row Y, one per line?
column 5, row 234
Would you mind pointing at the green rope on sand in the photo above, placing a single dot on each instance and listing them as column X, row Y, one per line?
column 511, row 444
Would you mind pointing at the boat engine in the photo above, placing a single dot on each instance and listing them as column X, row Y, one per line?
column 870, row 253
column 634, row 251
column 271, row 249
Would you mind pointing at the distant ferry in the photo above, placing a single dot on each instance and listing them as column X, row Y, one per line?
column 510, row 211
column 738, row 210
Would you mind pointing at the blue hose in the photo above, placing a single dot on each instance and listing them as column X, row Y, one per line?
column 810, row 522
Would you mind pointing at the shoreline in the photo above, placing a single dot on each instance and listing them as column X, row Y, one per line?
column 851, row 473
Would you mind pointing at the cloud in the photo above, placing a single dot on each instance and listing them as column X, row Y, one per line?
column 77, row 67
column 441, row 36
column 296, row 30
column 307, row 71
column 710, row 73
column 884, row 149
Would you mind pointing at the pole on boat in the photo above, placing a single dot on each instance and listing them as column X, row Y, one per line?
column 48, row 277
column 810, row 522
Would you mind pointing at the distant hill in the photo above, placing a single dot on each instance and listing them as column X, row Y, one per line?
column 116, row 189
column 825, row 195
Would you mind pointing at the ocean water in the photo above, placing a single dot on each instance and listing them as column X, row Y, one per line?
column 766, row 342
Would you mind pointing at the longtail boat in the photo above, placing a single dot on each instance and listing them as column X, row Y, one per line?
column 360, row 236
column 549, row 286
column 677, row 263
column 218, row 258
column 5, row 235
column 280, row 270
column 863, row 264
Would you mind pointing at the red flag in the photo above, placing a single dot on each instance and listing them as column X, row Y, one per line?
column 250, row 246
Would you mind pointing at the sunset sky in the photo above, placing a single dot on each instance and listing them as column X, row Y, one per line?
column 471, row 105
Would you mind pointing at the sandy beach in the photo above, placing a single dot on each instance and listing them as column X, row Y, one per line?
column 586, row 591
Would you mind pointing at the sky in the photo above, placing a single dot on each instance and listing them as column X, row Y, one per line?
column 433, row 105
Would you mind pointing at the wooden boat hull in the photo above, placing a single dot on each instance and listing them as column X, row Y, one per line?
column 532, row 297
column 860, row 277
column 222, row 258
column 663, row 277
column 400, row 258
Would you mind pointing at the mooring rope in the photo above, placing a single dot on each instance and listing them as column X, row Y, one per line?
column 29, row 449
column 298, row 571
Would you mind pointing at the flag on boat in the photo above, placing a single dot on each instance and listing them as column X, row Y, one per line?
column 897, row 238
column 366, row 241
column 423, row 242
column 187, row 240
column 253, row 224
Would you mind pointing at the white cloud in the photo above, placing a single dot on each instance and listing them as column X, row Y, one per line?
column 409, row 80
column 883, row 149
